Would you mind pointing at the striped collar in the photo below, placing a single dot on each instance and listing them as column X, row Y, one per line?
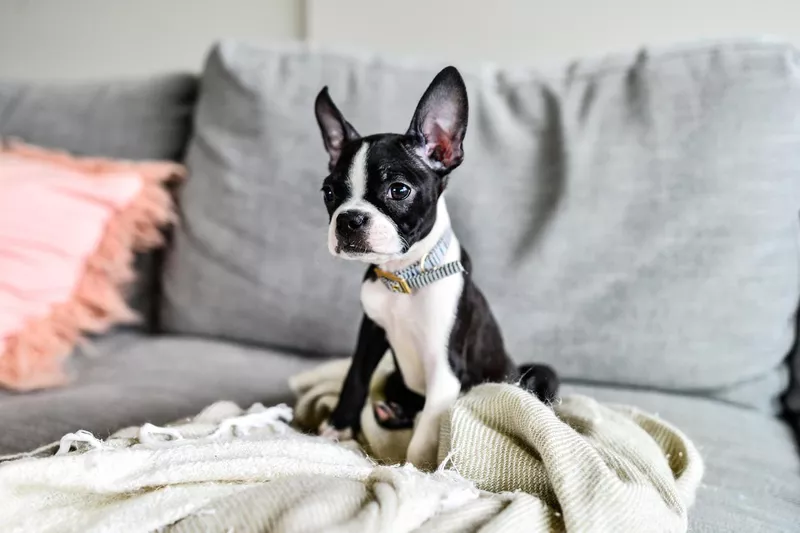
column 427, row 270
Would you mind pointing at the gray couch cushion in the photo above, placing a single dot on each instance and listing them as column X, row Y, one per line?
column 751, row 483
column 136, row 119
column 130, row 378
column 141, row 119
column 631, row 220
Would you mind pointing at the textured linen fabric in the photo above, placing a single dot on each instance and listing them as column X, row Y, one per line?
column 631, row 220
column 752, row 478
column 595, row 468
column 751, row 484
column 136, row 119
column 504, row 440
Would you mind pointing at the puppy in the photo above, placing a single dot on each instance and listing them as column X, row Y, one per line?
column 384, row 196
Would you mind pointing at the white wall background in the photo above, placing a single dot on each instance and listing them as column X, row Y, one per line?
column 80, row 39
column 542, row 31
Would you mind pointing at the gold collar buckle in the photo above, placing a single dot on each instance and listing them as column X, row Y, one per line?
column 396, row 283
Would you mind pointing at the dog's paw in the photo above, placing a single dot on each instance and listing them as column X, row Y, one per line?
column 390, row 415
column 326, row 430
column 541, row 380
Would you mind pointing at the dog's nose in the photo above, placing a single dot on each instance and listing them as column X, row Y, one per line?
column 350, row 221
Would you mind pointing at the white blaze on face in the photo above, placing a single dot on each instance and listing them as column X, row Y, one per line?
column 382, row 238
column 357, row 174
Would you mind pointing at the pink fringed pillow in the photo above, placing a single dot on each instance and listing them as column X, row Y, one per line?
column 68, row 230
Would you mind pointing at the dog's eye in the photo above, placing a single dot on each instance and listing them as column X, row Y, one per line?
column 399, row 191
column 327, row 194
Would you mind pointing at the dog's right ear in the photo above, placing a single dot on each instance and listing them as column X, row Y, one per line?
column 336, row 131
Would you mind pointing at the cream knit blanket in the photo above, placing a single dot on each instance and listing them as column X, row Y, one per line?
column 511, row 464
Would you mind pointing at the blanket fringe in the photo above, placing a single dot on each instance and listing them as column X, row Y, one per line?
column 70, row 439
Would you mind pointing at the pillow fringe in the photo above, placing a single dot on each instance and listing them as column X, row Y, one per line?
column 35, row 356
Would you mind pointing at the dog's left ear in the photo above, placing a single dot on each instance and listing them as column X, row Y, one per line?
column 440, row 121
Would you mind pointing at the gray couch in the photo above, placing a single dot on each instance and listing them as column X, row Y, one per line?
column 633, row 221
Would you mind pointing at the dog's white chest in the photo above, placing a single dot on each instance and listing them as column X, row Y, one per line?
column 417, row 325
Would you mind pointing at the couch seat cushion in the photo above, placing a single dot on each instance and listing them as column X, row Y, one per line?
column 133, row 378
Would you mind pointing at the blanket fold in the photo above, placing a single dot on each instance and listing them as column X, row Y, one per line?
column 509, row 463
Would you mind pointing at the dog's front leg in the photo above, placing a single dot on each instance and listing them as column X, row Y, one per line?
column 441, row 391
column 372, row 345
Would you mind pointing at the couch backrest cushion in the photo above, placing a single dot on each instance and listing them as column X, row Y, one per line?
column 135, row 119
column 632, row 220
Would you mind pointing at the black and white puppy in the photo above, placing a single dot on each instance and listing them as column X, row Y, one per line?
column 384, row 195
